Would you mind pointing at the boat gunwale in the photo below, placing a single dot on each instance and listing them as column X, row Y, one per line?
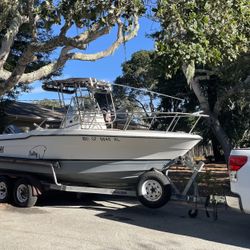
column 96, row 133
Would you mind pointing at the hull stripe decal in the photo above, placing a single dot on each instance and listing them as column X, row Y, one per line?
column 93, row 135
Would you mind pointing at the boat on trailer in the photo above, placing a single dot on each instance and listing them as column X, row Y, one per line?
column 98, row 146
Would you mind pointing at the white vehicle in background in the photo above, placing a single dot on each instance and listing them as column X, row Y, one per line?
column 239, row 169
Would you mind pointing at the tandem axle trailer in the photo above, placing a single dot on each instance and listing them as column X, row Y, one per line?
column 24, row 187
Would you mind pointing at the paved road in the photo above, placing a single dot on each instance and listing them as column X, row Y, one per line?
column 102, row 223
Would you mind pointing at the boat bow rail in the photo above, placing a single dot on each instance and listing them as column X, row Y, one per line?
column 169, row 120
column 92, row 106
column 135, row 120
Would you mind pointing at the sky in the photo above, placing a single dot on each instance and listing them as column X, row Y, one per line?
column 107, row 68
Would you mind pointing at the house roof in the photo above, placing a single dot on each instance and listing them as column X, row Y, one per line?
column 29, row 111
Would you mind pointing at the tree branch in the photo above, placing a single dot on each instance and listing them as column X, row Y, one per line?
column 17, row 73
column 121, row 38
column 47, row 69
column 95, row 32
column 79, row 41
column 32, row 19
column 64, row 56
column 8, row 39
column 7, row 8
column 195, row 85
column 142, row 105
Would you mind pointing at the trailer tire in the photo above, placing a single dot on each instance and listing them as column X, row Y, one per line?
column 22, row 193
column 5, row 187
column 153, row 189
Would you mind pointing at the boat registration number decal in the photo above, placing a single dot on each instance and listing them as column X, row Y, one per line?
column 102, row 139
column 1, row 149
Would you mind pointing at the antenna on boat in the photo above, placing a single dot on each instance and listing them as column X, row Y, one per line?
column 149, row 91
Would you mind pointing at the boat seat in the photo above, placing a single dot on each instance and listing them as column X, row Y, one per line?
column 12, row 129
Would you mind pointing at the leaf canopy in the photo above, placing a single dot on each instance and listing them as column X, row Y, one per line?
column 211, row 32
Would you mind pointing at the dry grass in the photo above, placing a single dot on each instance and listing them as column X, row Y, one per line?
column 213, row 179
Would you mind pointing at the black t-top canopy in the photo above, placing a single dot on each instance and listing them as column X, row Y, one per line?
column 70, row 85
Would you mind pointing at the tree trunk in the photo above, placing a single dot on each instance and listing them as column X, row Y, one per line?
column 213, row 121
column 218, row 155
column 220, row 135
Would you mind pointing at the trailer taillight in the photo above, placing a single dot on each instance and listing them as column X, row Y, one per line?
column 236, row 162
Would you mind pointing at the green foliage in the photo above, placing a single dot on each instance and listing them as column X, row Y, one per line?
column 16, row 91
column 211, row 32
column 20, row 44
column 235, row 107
column 146, row 71
column 139, row 72
column 41, row 27
column 84, row 14
column 22, row 40
column 208, row 35
column 143, row 72
column 234, row 113
column 236, row 117
column 48, row 103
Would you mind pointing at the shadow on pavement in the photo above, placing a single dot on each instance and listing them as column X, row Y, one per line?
column 232, row 228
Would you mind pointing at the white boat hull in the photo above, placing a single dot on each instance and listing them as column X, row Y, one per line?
column 109, row 158
column 96, row 145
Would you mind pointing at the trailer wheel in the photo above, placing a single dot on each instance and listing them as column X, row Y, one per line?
column 4, row 189
column 153, row 189
column 23, row 195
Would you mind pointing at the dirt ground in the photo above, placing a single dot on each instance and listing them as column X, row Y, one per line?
column 213, row 179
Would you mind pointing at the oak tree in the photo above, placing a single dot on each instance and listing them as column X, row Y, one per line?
column 200, row 37
column 93, row 19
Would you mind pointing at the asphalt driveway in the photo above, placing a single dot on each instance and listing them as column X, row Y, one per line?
column 105, row 223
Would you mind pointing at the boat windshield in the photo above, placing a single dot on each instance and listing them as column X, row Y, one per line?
column 82, row 104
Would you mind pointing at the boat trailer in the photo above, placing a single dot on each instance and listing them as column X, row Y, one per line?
column 38, row 186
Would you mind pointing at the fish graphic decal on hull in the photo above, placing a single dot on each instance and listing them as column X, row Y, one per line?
column 37, row 152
